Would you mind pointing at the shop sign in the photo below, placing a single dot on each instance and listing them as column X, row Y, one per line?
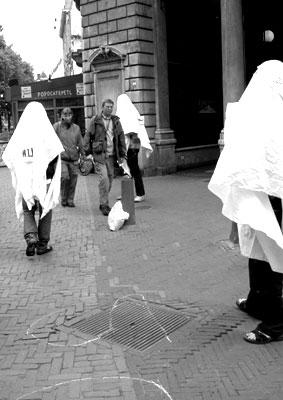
column 80, row 88
column 26, row 92
column 54, row 93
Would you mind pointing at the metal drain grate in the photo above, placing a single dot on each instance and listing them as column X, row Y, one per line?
column 134, row 324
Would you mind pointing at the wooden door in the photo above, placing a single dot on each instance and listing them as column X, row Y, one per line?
column 108, row 85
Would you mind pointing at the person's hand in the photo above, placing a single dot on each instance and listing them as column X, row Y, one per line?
column 89, row 157
column 247, row 231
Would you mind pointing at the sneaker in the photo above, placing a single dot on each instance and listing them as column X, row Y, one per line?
column 119, row 198
column 71, row 204
column 105, row 209
column 139, row 199
column 63, row 203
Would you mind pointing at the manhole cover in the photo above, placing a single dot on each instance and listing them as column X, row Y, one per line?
column 135, row 324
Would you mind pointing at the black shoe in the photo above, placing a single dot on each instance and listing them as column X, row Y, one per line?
column 31, row 240
column 64, row 203
column 71, row 204
column 104, row 209
column 242, row 304
column 44, row 250
column 30, row 250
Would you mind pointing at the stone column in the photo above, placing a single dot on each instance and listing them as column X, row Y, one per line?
column 233, row 64
column 65, row 34
column 164, row 136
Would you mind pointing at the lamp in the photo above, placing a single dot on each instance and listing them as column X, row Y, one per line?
column 268, row 36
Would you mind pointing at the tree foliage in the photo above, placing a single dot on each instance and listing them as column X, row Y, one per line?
column 12, row 66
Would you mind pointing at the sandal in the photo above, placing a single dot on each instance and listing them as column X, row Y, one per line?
column 258, row 337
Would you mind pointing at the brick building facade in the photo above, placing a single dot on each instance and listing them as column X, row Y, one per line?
column 179, row 67
column 120, row 56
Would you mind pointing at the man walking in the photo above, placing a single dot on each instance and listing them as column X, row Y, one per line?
column 105, row 140
column 71, row 138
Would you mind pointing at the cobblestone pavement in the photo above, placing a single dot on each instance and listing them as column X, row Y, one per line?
column 174, row 258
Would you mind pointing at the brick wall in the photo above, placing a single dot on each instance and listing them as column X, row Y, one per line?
column 126, row 25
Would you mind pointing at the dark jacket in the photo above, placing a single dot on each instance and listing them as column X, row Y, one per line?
column 95, row 140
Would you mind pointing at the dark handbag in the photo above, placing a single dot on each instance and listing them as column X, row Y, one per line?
column 86, row 166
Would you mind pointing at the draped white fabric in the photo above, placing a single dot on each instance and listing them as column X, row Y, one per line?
column 250, row 167
column 132, row 121
column 32, row 146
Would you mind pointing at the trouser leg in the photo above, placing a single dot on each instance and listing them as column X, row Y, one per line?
column 266, row 288
column 30, row 226
column 272, row 321
column 110, row 171
column 103, row 183
column 135, row 171
column 65, row 181
column 73, row 173
column 44, row 229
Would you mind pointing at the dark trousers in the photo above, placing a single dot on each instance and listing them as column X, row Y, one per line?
column 265, row 297
column 132, row 160
column 69, row 177
column 41, row 231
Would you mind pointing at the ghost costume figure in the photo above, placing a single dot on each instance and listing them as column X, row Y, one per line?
column 32, row 156
column 248, row 178
column 136, row 137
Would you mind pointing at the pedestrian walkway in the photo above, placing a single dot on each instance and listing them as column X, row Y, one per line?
column 174, row 259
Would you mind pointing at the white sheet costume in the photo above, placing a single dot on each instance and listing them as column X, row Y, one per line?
column 32, row 146
column 250, row 167
column 132, row 121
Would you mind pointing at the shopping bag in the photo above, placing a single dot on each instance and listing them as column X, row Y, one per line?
column 117, row 216
column 86, row 166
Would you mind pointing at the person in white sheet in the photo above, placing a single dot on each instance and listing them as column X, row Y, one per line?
column 248, row 178
column 136, row 137
column 33, row 157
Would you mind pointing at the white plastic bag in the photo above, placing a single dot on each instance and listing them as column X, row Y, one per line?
column 117, row 216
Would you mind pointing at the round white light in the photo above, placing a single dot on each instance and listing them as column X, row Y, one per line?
column 268, row 36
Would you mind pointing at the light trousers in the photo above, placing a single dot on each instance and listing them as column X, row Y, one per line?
column 105, row 173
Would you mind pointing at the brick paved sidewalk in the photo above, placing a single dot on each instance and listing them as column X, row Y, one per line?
column 37, row 294
column 173, row 256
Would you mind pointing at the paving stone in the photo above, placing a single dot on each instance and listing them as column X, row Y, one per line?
column 172, row 256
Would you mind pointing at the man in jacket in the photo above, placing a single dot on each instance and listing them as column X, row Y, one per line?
column 71, row 138
column 105, row 140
